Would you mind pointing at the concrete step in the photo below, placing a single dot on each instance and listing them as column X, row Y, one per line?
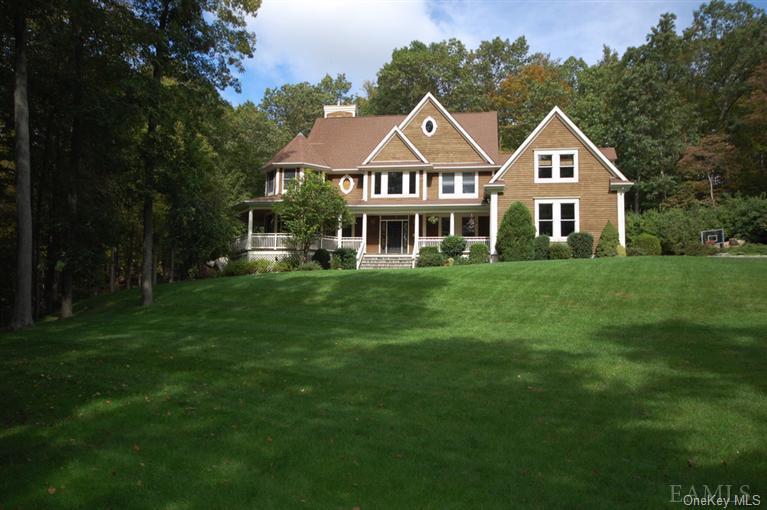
column 386, row 262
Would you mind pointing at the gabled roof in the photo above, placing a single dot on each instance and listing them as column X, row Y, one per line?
column 343, row 143
column 395, row 132
column 298, row 152
column 556, row 112
column 457, row 125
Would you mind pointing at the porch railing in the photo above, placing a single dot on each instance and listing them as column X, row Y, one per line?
column 282, row 241
column 437, row 241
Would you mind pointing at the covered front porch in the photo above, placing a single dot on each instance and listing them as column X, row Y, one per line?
column 374, row 233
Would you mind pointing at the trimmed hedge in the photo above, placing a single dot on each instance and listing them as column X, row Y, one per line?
column 645, row 244
column 429, row 256
column 453, row 246
column 479, row 254
column 608, row 241
column 582, row 244
column 541, row 247
column 559, row 251
column 322, row 257
column 516, row 234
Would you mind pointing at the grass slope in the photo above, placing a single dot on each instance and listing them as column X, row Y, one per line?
column 563, row 384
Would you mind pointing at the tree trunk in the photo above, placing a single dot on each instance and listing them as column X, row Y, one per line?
column 67, row 277
column 113, row 270
column 636, row 197
column 150, row 162
column 22, row 311
column 172, row 265
column 711, row 188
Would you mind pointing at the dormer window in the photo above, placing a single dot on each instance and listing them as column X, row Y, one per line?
column 556, row 166
column 429, row 126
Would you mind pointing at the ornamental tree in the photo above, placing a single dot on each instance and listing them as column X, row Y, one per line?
column 516, row 234
column 311, row 208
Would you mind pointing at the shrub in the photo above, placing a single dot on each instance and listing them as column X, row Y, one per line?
column 515, row 234
column 620, row 251
column 582, row 244
column 292, row 261
column 429, row 256
column 244, row 266
column 479, row 254
column 344, row 258
column 700, row 250
column 608, row 241
column 645, row 244
column 312, row 265
column 283, row 266
column 560, row 251
column 462, row 261
column 748, row 249
column 322, row 257
column 453, row 246
column 541, row 247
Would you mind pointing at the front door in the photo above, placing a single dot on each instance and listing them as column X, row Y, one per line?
column 394, row 236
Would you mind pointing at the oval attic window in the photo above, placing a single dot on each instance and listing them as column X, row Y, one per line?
column 429, row 126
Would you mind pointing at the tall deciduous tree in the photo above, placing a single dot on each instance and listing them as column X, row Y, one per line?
column 295, row 107
column 22, row 314
column 199, row 40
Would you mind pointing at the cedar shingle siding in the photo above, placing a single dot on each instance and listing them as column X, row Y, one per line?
column 597, row 203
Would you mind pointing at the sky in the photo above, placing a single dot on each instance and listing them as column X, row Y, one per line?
column 302, row 40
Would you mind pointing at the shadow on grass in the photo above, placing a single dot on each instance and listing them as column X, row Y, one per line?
column 347, row 393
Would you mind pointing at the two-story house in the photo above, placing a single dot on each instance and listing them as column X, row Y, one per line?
column 411, row 180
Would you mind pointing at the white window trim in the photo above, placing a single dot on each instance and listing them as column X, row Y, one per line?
column 284, row 183
column 556, row 232
column 423, row 126
column 346, row 184
column 406, row 191
column 458, row 185
column 274, row 185
column 555, row 155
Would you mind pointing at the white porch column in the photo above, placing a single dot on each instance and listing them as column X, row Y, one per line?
column 425, row 187
column 248, row 244
column 364, row 232
column 622, row 218
column 493, row 222
column 416, row 233
column 340, row 232
column 364, row 187
column 452, row 223
column 278, row 181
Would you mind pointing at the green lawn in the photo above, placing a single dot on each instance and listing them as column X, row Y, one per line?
column 562, row 384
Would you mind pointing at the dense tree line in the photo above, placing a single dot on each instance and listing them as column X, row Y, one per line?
column 135, row 159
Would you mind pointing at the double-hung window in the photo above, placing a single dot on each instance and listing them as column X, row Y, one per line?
column 556, row 166
column 556, row 218
column 395, row 184
column 271, row 179
column 458, row 185
column 288, row 176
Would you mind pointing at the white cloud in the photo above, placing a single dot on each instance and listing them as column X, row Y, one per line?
column 304, row 39
column 301, row 40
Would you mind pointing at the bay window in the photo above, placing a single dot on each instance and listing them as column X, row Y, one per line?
column 288, row 175
column 556, row 166
column 556, row 218
column 458, row 185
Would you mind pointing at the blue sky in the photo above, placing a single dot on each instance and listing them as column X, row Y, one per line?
column 301, row 40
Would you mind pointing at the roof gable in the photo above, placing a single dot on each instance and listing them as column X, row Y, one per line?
column 558, row 115
column 395, row 147
column 450, row 142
